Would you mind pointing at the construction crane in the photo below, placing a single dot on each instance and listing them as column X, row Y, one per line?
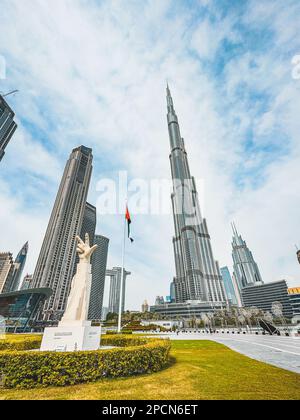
column 10, row 93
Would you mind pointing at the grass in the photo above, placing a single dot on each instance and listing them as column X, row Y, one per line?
column 199, row 370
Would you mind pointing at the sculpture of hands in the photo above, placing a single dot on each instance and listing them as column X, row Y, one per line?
column 83, row 248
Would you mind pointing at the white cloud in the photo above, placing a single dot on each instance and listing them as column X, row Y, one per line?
column 94, row 73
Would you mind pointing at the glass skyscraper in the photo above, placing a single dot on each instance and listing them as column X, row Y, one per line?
column 198, row 276
column 229, row 286
column 55, row 265
column 99, row 260
column 245, row 268
column 115, row 288
column 7, row 125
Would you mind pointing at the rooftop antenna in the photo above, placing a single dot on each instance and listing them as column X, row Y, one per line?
column 10, row 93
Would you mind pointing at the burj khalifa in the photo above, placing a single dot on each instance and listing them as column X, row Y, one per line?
column 198, row 276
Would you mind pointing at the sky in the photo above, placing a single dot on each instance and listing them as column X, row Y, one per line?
column 94, row 72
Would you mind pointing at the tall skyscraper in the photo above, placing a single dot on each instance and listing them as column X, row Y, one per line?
column 245, row 268
column 88, row 226
column 89, row 222
column 229, row 286
column 198, row 275
column 99, row 261
column 145, row 306
column 55, row 265
column 7, row 125
column 6, row 271
column 19, row 264
column 27, row 282
column 114, row 290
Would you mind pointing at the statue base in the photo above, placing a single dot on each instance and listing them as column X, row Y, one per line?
column 71, row 336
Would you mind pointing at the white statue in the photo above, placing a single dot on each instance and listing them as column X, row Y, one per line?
column 79, row 297
column 75, row 332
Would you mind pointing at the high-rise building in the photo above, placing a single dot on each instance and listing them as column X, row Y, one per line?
column 89, row 222
column 115, row 288
column 7, row 125
column 55, row 265
column 88, row 226
column 294, row 296
column 262, row 296
column 19, row 264
column 27, row 282
column 104, row 313
column 145, row 306
column 172, row 292
column 6, row 271
column 159, row 300
column 245, row 268
column 229, row 286
column 198, row 276
column 99, row 261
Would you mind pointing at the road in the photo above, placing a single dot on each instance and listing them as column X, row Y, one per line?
column 283, row 352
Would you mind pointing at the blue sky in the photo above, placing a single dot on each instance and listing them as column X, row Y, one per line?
column 94, row 73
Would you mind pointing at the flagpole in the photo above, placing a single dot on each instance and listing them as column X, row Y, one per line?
column 122, row 278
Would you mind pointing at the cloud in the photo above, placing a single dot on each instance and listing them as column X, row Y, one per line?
column 94, row 73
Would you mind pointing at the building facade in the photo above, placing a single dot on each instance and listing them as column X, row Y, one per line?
column 99, row 261
column 19, row 308
column 145, row 306
column 246, row 270
column 294, row 296
column 198, row 275
column 186, row 310
column 55, row 265
column 6, row 270
column 264, row 295
column 19, row 265
column 115, row 288
column 27, row 282
column 7, row 125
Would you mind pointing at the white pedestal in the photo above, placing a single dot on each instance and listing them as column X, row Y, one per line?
column 75, row 337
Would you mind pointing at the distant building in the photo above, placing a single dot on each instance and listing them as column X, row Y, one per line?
column 19, row 308
column 262, row 296
column 104, row 313
column 6, row 271
column 298, row 255
column 229, row 286
column 19, row 265
column 99, row 261
column 7, row 125
column 145, row 306
column 245, row 268
column 198, row 275
column 55, row 265
column 27, row 282
column 172, row 292
column 159, row 300
column 185, row 310
column 115, row 288
column 294, row 296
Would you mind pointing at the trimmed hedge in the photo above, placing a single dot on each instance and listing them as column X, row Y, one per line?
column 21, row 342
column 42, row 369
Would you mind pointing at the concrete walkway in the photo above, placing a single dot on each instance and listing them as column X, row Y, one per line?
column 283, row 352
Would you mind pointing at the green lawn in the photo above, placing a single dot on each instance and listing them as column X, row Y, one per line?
column 199, row 370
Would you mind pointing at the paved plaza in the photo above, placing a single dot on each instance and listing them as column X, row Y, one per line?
column 283, row 352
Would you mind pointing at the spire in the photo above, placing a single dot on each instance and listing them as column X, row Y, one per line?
column 170, row 101
column 234, row 229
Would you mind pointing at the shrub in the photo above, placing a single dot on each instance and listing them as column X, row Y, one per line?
column 20, row 342
column 113, row 332
column 41, row 369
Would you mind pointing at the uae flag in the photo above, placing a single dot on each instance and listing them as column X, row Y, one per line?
column 128, row 218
